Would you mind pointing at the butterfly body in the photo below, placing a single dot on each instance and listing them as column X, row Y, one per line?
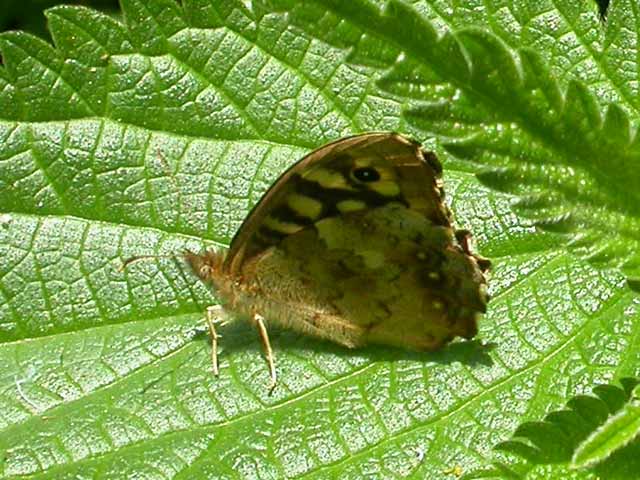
column 354, row 244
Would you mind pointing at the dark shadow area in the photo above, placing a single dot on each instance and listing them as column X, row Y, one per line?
column 603, row 6
column 28, row 15
column 622, row 464
column 239, row 335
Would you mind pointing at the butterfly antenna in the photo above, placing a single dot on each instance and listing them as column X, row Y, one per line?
column 170, row 175
column 139, row 258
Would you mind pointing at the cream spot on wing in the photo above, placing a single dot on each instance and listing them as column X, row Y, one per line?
column 438, row 305
column 305, row 206
column 328, row 178
column 402, row 139
column 282, row 227
column 386, row 174
column 483, row 292
column 388, row 188
column 347, row 206
column 372, row 258
column 360, row 162
column 434, row 275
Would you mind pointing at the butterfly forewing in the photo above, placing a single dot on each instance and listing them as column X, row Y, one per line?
column 350, row 175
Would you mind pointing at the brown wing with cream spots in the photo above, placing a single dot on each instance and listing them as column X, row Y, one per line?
column 355, row 173
column 381, row 275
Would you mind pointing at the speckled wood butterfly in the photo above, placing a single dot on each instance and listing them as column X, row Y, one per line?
column 352, row 244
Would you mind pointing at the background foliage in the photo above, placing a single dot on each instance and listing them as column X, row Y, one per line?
column 158, row 128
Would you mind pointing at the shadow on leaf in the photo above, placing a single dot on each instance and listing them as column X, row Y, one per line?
column 239, row 336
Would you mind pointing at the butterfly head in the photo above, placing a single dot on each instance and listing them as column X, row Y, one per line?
column 208, row 265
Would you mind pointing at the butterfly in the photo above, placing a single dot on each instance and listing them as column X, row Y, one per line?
column 352, row 244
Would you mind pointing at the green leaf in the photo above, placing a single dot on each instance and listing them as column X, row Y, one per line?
column 618, row 431
column 160, row 132
column 591, row 429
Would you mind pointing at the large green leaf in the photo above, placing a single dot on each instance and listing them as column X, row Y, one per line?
column 161, row 132
column 591, row 431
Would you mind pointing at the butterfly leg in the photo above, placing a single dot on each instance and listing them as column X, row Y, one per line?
column 266, row 345
column 214, row 313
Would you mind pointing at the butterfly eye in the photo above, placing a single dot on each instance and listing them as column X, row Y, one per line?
column 366, row 174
